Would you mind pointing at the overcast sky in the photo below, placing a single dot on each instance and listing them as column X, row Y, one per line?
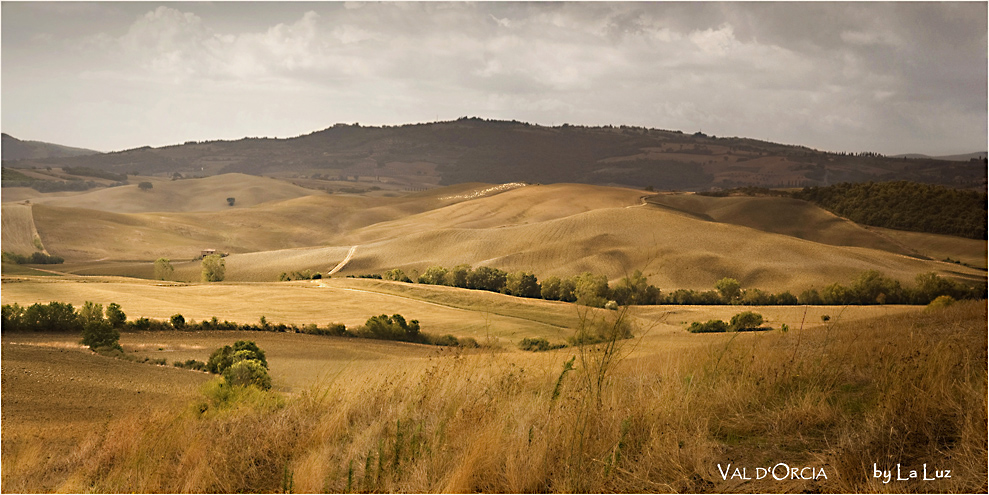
column 886, row 77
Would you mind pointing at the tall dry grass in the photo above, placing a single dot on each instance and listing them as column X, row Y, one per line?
column 908, row 389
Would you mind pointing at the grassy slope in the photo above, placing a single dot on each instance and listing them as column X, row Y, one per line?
column 939, row 247
column 17, row 234
column 781, row 216
column 560, row 229
column 207, row 194
column 907, row 389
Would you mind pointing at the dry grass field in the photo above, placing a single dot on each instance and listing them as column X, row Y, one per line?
column 18, row 232
column 669, row 413
column 665, row 411
column 562, row 229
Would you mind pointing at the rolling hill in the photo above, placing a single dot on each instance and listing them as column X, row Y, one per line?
column 679, row 241
column 15, row 149
column 476, row 150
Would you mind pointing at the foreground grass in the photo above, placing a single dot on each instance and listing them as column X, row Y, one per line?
column 907, row 389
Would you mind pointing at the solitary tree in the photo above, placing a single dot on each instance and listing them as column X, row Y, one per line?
column 163, row 269
column 213, row 268
column 145, row 186
column 230, row 201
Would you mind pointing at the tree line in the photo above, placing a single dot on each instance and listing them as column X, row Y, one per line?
column 870, row 287
column 61, row 317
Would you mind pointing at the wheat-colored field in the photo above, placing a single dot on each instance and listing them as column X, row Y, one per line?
column 365, row 416
column 562, row 229
column 18, row 232
column 205, row 194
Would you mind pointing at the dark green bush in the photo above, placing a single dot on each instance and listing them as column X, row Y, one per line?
column 712, row 326
column 538, row 345
column 745, row 321
column 248, row 372
column 99, row 333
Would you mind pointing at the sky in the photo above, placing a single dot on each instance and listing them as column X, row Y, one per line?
column 885, row 77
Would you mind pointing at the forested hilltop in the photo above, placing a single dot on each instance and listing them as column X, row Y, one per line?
column 477, row 150
column 901, row 205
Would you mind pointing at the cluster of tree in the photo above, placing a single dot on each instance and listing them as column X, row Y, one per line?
column 901, row 205
column 306, row 274
column 47, row 186
column 99, row 331
column 395, row 327
column 905, row 206
column 36, row 258
column 745, row 321
column 242, row 364
column 871, row 287
column 92, row 172
column 587, row 289
column 63, row 318
column 745, row 191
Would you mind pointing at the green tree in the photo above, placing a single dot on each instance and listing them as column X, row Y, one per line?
column 522, row 284
column 214, row 269
column 590, row 289
column 457, row 277
column 873, row 287
column 145, row 186
column 91, row 311
column 433, row 275
column 115, row 316
column 550, row 289
column 178, row 321
column 729, row 289
column 397, row 275
column 100, row 334
column 163, row 269
column 230, row 201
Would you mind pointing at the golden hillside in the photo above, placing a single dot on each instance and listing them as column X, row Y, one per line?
column 560, row 229
column 206, row 194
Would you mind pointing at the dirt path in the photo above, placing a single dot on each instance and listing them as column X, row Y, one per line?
column 343, row 263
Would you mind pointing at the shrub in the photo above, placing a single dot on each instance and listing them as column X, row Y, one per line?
column 445, row 340
column 248, row 372
column 940, row 302
column 745, row 321
column 178, row 321
column 100, row 334
column 538, row 344
column 392, row 327
column 712, row 326
column 397, row 275
column 227, row 356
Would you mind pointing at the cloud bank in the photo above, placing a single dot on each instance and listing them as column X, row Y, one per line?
column 888, row 77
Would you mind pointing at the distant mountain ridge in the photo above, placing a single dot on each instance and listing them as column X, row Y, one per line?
column 16, row 149
column 478, row 150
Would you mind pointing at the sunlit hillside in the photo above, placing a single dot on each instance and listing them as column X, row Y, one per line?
column 678, row 241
